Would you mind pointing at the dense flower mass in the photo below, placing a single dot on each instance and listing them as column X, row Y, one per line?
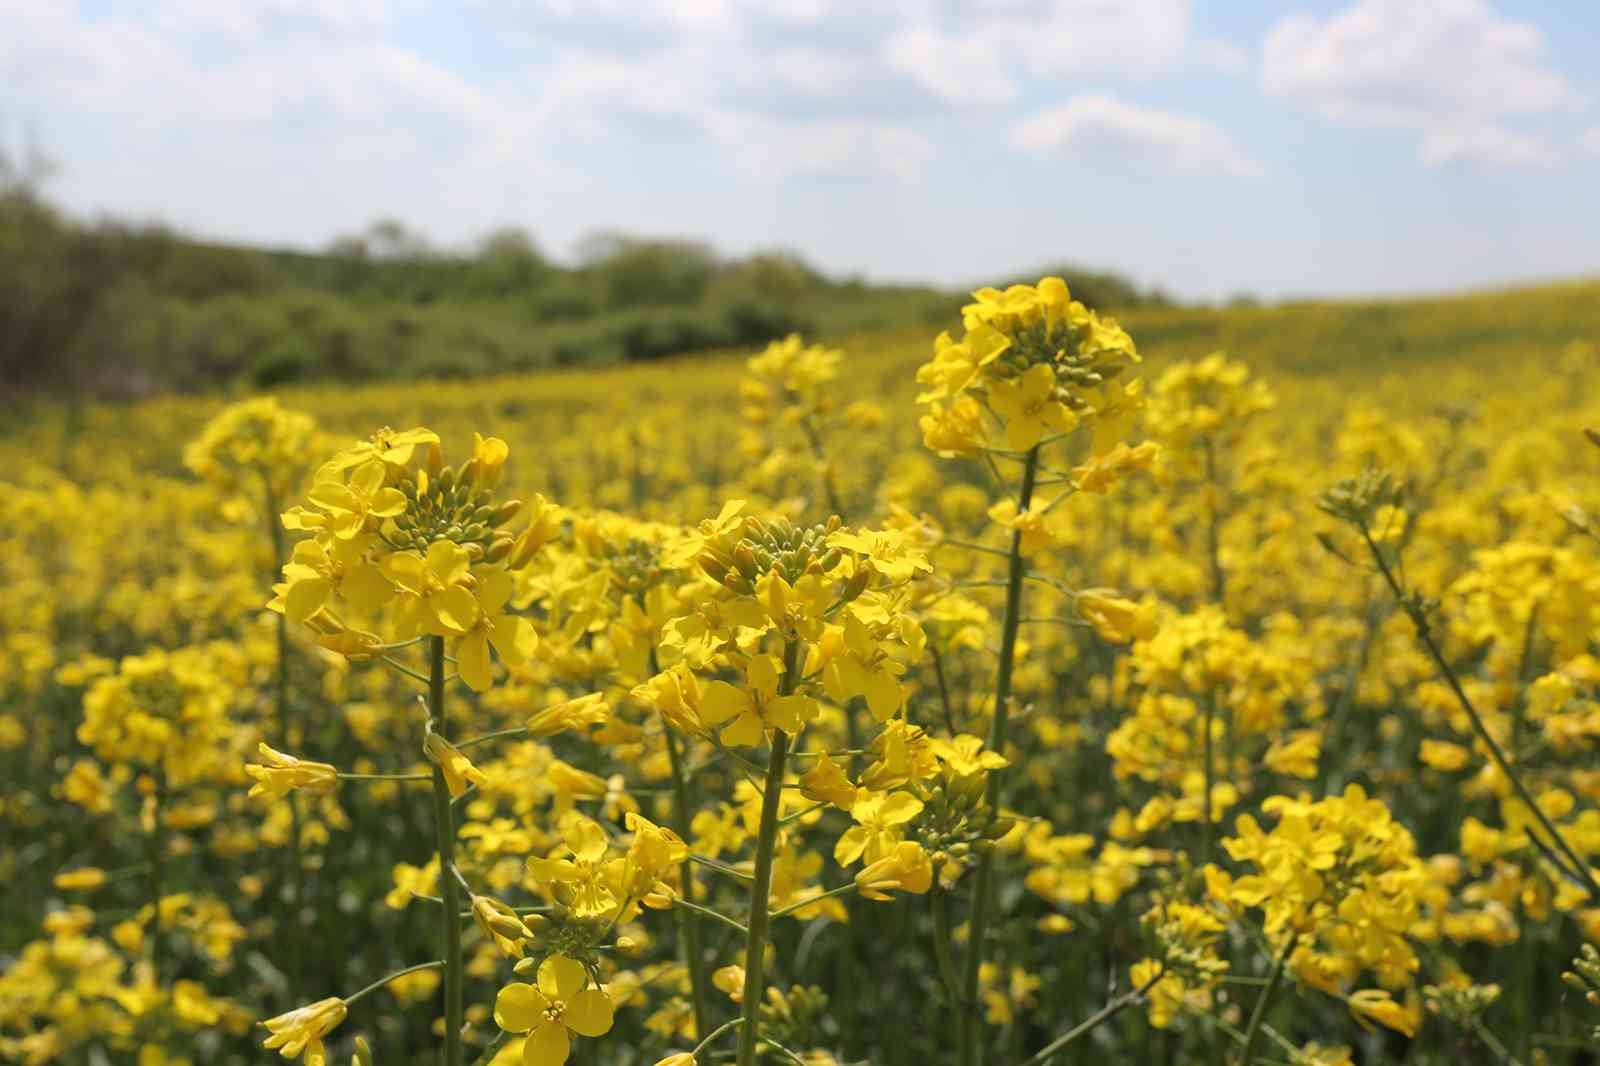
column 1250, row 716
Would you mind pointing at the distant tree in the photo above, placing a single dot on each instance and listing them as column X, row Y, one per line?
column 508, row 262
column 635, row 272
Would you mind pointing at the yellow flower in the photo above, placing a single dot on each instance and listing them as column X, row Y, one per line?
column 1295, row 755
column 439, row 603
column 825, row 782
column 302, row 1030
column 459, row 773
column 730, row 980
column 285, row 773
column 316, row 572
column 1442, row 755
column 551, row 1011
column 588, row 710
column 360, row 504
column 500, row 924
column 1375, row 1004
column 578, row 879
column 1029, row 408
column 879, row 818
column 513, row 637
column 751, row 710
column 905, row 869
column 1115, row 619
column 83, row 879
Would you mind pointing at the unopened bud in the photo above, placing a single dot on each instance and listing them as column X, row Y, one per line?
column 363, row 1052
column 435, row 460
column 499, row 550
column 506, row 512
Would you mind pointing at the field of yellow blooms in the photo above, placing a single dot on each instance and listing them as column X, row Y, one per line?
column 1007, row 697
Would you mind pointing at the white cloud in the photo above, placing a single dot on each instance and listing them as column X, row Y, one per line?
column 1490, row 145
column 1098, row 123
column 1589, row 140
column 980, row 52
column 960, row 70
column 1453, row 71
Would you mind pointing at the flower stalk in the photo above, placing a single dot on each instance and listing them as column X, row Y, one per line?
column 760, row 920
column 982, row 889
column 449, row 891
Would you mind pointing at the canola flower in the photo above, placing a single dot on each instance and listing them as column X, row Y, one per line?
column 1267, row 807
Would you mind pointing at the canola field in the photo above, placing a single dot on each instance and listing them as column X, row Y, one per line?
column 1052, row 690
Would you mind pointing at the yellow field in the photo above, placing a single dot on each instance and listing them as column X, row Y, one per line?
column 1011, row 678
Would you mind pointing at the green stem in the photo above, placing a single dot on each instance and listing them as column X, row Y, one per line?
column 716, row 916
column 694, row 958
column 514, row 731
column 380, row 982
column 449, row 891
column 155, row 858
column 1252, row 1033
column 711, row 1037
column 1207, row 826
column 297, row 865
column 841, row 890
column 1419, row 621
column 978, row 923
column 755, row 946
column 384, row 777
column 1104, row 1014
column 1213, row 524
column 941, row 946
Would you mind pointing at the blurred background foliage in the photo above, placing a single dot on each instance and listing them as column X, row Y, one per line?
column 120, row 310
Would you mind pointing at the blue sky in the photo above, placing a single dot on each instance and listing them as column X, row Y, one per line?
column 1211, row 147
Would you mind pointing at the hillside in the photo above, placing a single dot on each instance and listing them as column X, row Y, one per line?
column 119, row 310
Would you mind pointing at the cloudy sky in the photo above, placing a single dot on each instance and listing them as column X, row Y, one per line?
column 1213, row 146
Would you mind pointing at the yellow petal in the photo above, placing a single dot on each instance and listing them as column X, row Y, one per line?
column 472, row 660
column 561, row 978
column 589, row 1013
column 519, row 1007
column 547, row 1045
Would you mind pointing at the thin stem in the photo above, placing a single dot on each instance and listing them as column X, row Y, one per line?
column 1208, row 828
column 789, row 819
column 978, row 922
column 1213, row 523
column 841, row 890
column 155, row 859
column 711, row 1038
column 297, row 866
column 944, row 689
column 445, row 838
column 404, row 669
column 941, row 945
column 1104, row 1014
column 384, row 777
column 1252, row 1033
column 693, row 953
column 755, row 944
column 1419, row 621
column 720, row 867
column 714, row 915
column 970, row 546
column 380, row 982
column 496, row 735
